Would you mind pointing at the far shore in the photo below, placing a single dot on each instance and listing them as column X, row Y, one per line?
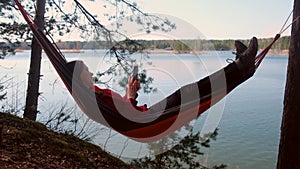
column 279, row 52
column 164, row 51
column 62, row 51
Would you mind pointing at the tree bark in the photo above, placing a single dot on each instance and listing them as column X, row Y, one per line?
column 31, row 106
column 289, row 147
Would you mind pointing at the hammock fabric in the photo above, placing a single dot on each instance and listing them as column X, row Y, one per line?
column 163, row 118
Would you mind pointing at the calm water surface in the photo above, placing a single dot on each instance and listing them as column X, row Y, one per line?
column 250, row 116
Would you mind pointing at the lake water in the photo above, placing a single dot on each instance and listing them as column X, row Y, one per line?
column 248, row 119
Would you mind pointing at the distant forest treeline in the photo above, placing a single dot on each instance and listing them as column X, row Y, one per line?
column 178, row 45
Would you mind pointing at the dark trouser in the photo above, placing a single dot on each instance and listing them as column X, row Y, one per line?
column 214, row 85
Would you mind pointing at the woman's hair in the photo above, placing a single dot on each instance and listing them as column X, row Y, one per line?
column 78, row 64
column 75, row 67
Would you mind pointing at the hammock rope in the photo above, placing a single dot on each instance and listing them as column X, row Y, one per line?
column 287, row 19
column 260, row 57
column 284, row 27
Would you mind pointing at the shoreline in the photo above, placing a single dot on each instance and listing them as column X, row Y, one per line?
column 284, row 52
column 164, row 51
column 62, row 50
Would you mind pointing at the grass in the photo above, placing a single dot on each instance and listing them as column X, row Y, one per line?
column 29, row 144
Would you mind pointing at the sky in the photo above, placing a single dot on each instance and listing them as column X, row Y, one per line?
column 226, row 19
column 222, row 19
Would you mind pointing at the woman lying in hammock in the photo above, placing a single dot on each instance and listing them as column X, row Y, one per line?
column 184, row 105
column 107, row 95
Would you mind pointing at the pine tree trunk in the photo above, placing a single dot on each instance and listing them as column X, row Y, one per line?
column 289, row 148
column 31, row 111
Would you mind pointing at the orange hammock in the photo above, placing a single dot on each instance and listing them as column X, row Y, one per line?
column 162, row 118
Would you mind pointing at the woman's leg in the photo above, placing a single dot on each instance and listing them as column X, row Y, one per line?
column 220, row 82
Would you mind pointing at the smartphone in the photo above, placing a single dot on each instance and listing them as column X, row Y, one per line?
column 135, row 72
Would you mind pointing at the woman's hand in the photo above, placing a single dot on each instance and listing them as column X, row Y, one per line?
column 132, row 87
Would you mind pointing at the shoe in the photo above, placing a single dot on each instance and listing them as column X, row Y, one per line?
column 240, row 48
column 245, row 57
